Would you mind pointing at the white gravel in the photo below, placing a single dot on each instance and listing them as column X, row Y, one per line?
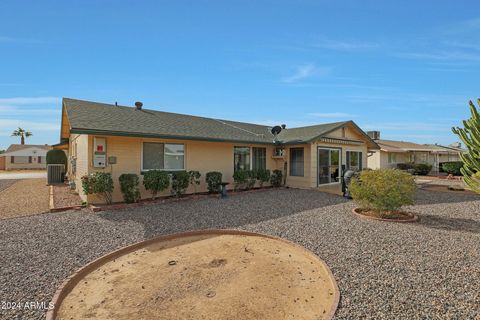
column 426, row 270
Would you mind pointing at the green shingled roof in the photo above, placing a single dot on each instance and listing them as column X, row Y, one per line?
column 107, row 119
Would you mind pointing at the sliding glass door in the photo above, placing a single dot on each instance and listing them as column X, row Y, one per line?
column 329, row 165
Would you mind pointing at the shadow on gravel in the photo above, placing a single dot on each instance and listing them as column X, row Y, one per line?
column 450, row 224
column 232, row 212
column 436, row 197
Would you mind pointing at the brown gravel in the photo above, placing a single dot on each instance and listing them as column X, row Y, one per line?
column 23, row 198
column 64, row 197
column 4, row 184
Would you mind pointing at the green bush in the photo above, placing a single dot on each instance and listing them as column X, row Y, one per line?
column 194, row 179
column 276, row 178
column 100, row 183
column 263, row 176
column 129, row 187
column 156, row 181
column 404, row 166
column 56, row 157
column 383, row 190
column 214, row 180
column 251, row 179
column 452, row 167
column 180, row 182
column 240, row 179
column 422, row 169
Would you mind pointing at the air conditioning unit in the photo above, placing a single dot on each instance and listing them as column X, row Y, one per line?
column 55, row 173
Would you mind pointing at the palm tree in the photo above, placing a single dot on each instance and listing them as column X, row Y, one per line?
column 22, row 134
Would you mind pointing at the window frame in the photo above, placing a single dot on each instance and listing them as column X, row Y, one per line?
column 252, row 159
column 290, row 161
column 392, row 155
column 340, row 163
column 142, row 169
column 348, row 158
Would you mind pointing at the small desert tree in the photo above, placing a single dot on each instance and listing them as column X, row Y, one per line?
column 470, row 136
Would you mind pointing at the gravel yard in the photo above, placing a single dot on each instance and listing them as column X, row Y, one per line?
column 4, row 184
column 24, row 197
column 425, row 270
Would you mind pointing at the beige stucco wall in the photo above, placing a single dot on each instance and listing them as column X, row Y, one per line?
column 25, row 166
column 199, row 155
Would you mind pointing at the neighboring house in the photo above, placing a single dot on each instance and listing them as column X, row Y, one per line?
column 24, row 156
column 394, row 152
column 118, row 139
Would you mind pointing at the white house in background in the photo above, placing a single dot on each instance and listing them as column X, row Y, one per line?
column 24, row 156
column 393, row 152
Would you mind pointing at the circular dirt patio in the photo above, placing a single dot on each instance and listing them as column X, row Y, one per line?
column 216, row 274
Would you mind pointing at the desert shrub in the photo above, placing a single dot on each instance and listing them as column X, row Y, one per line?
column 100, row 183
column 180, row 182
column 240, row 178
column 56, row 157
column 452, row 167
column 422, row 169
column 263, row 176
column 194, row 179
column 214, row 180
column 383, row 190
column 129, row 187
column 404, row 166
column 276, row 178
column 251, row 179
column 156, row 181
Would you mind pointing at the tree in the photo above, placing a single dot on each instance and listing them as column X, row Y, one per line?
column 470, row 136
column 22, row 134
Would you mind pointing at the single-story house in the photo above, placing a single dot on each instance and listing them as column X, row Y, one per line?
column 393, row 152
column 24, row 156
column 122, row 139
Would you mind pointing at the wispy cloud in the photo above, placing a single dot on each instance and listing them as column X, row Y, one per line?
column 306, row 71
column 344, row 45
column 29, row 101
column 332, row 115
column 30, row 125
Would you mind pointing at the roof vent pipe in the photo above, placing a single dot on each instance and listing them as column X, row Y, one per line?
column 138, row 105
column 284, row 126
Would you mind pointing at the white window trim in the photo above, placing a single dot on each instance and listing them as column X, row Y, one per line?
column 164, row 143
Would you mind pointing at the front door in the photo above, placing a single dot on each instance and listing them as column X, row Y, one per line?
column 329, row 165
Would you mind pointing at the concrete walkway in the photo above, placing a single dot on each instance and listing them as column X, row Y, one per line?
column 13, row 175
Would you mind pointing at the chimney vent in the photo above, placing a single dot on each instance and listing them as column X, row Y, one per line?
column 375, row 135
column 284, row 126
column 138, row 105
column 116, row 104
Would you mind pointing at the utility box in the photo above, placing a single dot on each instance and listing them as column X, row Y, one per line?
column 99, row 152
column 55, row 173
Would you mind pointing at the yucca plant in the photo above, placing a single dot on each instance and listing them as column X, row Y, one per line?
column 470, row 135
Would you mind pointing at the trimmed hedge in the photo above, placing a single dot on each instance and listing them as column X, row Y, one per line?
column 100, row 183
column 422, row 169
column 180, row 182
column 263, row 176
column 276, row 178
column 156, row 181
column 129, row 187
column 214, row 180
column 452, row 167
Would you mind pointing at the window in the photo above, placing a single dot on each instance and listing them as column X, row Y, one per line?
column 20, row 159
column 162, row 156
column 392, row 158
column 354, row 160
column 296, row 162
column 241, row 158
column 329, row 165
column 259, row 159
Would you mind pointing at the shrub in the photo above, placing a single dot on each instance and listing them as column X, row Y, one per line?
column 214, row 180
column 100, row 183
column 404, row 166
column 156, row 181
column 263, row 176
column 194, row 179
column 383, row 190
column 240, row 178
column 180, row 182
column 422, row 169
column 129, row 187
column 251, row 179
column 276, row 178
column 56, row 157
column 452, row 167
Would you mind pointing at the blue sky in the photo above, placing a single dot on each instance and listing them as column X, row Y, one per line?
column 406, row 68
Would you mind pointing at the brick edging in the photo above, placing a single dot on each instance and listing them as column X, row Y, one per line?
column 69, row 283
column 413, row 217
